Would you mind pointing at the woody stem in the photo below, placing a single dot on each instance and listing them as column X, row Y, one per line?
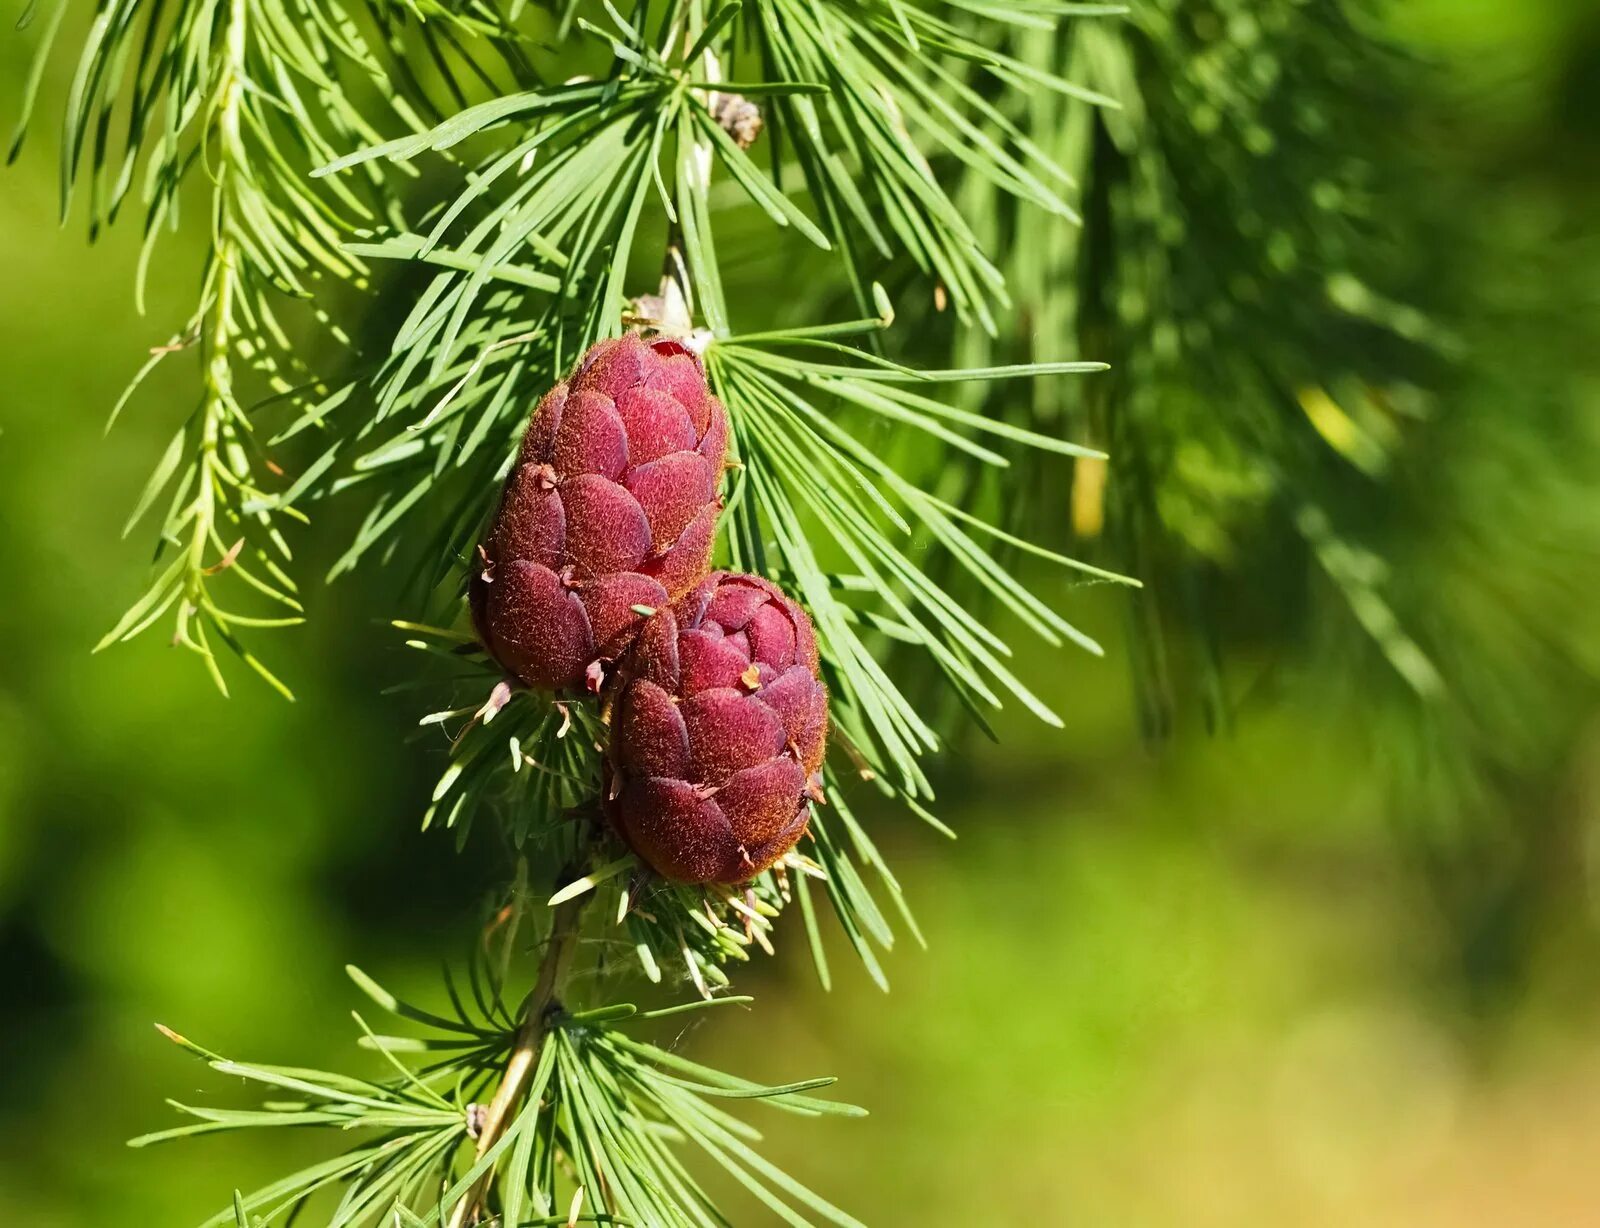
column 525, row 1050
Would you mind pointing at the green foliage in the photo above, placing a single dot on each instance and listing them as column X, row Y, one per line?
column 511, row 220
column 236, row 100
column 603, row 1124
column 1231, row 195
column 1320, row 358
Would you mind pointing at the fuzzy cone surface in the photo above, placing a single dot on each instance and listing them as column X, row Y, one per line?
column 612, row 504
column 718, row 732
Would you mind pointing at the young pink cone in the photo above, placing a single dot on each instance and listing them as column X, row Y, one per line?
column 613, row 504
column 718, row 732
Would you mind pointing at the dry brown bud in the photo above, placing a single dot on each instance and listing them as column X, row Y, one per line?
column 739, row 117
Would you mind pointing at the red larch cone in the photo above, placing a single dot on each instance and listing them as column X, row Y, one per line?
column 719, row 726
column 612, row 504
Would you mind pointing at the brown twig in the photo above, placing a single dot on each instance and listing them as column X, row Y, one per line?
column 525, row 1052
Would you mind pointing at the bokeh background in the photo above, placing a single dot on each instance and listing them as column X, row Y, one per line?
column 1211, row 979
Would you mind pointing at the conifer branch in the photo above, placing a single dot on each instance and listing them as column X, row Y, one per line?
column 523, row 263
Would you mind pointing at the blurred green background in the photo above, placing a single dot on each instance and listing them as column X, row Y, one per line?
column 1201, row 983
